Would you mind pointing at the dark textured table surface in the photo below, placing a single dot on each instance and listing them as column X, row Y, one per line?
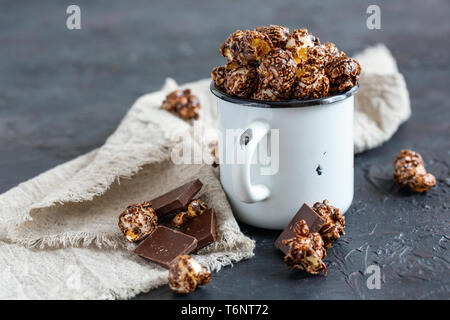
column 63, row 92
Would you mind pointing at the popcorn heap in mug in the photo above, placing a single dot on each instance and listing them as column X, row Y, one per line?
column 270, row 63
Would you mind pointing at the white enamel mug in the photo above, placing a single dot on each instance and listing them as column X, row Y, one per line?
column 314, row 151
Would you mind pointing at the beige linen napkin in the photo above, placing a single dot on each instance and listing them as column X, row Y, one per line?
column 58, row 231
column 382, row 104
column 67, row 217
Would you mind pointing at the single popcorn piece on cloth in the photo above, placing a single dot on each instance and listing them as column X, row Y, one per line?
column 182, row 103
column 138, row 221
column 333, row 227
column 277, row 34
column 240, row 80
column 343, row 73
column 195, row 208
column 306, row 250
column 278, row 70
column 246, row 47
column 311, row 83
column 186, row 273
column 299, row 42
column 409, row 171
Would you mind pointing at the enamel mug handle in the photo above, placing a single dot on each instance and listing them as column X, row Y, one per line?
column 247, row 145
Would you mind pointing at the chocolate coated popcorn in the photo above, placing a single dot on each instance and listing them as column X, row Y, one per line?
column 299, row 42
column 240, row 80
column 246, row 47
column 138, row 221
column 311, row 83
column 306, row 250
column 266, row 93
column 186, row 273
column 182, row 103
column 218, row 74
column 270, row 64
column 331, row 52
column 334, row 225
column 316, row 56
column 195, row 208
column 233, row 40
column 409, row 171
column 277, row 34
column 343, row 73
column 277, row 70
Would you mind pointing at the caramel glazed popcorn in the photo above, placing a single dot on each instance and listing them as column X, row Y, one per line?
column 186, row 273
column 306, row 250
column 195, row 208
column 272, row 64
column 182, row 103
column 334, row 222
column 409, row 171
column 138, row 221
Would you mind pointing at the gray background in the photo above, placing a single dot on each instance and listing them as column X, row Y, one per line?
column 63, row 92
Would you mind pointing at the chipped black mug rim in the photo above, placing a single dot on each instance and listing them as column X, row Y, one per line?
column 293, row 103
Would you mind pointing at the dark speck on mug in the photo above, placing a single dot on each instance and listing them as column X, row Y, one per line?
column 319, row 170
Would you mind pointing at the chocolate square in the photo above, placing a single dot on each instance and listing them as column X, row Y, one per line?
column 164, row 244
column 203, row 228
column 313, row 220
column 177, row 199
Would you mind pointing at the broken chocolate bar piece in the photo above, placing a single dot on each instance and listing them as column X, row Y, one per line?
column 313, row 220
column 176, row 199
column 203, row 228
column 163, row 245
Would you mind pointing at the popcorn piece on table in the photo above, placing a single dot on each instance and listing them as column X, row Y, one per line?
column 306, row 250
column 138, row 221
column 333, row 227
column 186, row 273
column 182, row 103
column 409, row 171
